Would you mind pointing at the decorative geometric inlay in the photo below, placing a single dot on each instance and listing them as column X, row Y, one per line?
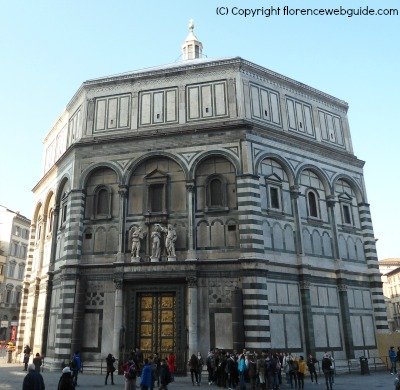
column 329, row 173
column 94, row 299
column 257, row 151
column 234, row 150
column 188, row 156
column 220, row 290
column 294, row 163
column 122, row 163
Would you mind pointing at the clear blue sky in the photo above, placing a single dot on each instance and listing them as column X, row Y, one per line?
column 48, row 48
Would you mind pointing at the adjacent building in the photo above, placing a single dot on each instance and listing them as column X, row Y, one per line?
column 390, row 270
column 205, row 203
column 14, row 234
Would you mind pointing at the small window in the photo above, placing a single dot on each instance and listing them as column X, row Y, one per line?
column 102, row 201
column 8, row 296
column 216, row 196
column 346, row 214
column 274, row 198
column 156, row 194
column 216, row 193
column 312, row 205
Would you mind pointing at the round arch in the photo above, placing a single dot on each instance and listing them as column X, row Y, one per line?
column 65, row 179
column 280, row 160
column 89, row 170
column 352, row 183
column 214, row 153
column 134, row 164
column 38, row 207
column 320, row 174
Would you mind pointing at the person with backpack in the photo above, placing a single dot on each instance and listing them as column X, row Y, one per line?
column 75, row 366
column 328, row 371
column 110, row 360
column 130, row 374
column 165, row 375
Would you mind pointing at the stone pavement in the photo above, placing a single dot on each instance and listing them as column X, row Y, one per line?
column 11, row 378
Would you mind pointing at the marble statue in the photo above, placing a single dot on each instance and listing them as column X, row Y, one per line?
column 156, row 242
column 136, row 237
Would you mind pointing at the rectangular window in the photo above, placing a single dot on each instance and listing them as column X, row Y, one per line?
column 265, row 104
column 346, row 214
column 156, row 198
column 274, row 196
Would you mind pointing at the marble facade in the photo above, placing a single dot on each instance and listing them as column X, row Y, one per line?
column 257, row 175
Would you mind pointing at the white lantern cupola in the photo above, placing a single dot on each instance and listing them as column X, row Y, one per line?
column 192, row 48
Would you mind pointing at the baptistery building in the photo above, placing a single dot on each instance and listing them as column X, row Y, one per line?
column 206, row 203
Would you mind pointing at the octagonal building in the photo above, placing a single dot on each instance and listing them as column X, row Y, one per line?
column 206, row 203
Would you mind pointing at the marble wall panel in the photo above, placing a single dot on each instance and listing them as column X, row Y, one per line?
column 223, row 330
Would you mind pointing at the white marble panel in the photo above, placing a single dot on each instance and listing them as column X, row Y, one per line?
column 293, row 291
column 358, row 302
column 333, row 331
column 356, row 331
column 333, row 297
column 292, row 324
column 271, row 292
column 369, row 330
column 277, row 330
column 320, row 331
column 91, row 330
column 322, row 296
column 282, row 295
column 367, row 299
column 223, row 333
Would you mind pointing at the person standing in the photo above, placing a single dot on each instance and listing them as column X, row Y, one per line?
column 194, row 369
column 165, row 375
column 146, row 377
column 33, row 379
column 302, row 372
column 37, row 361
column 130, row 374
column 210, row 362
column 66, row 382
column 311, row 362
column 110, row 360
column 393, row 360
column 327, row 370
column 171, row 362
column 200, row 366
column 75, row 367
column 27, row 353
column 242, row 368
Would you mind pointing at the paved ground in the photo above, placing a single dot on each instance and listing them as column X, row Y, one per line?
column 11, row 377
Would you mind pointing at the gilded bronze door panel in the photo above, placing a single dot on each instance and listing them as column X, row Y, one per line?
column 156, row 323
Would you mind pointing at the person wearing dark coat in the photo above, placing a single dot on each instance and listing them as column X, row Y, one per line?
column 165, row 375
column 66, row 382
column 110, row 360
column 33, row 379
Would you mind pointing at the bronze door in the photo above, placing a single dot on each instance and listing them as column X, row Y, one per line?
column 156, row 323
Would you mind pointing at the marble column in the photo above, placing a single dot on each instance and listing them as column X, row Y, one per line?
column 345, row 315
column 294, row 195
column 307, row 316
column 79, row 314
column 330, row 201
column 192, row 315
column 190, row 189
column 237, row 319
column 117, row 317
column 123, row 195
